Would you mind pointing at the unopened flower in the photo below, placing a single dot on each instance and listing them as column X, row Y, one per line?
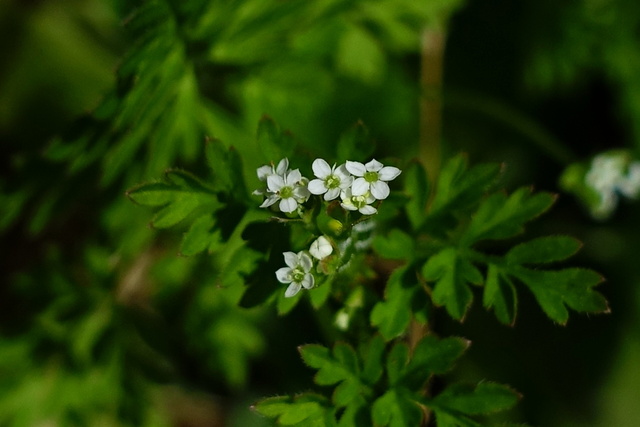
column 296, row 273
column 267, row 170
column 372, row 178
column 290, row 190
column 359, row 203
column 321, row 248
column 331, row 180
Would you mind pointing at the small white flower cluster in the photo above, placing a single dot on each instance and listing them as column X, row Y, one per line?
column 297, row 274
column 358, row 185
column 611, row 174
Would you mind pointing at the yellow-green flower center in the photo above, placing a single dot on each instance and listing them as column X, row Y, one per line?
column 371, row 176
column 286, row 192
column 359, row 201
column 297, row 274
column 331, row 182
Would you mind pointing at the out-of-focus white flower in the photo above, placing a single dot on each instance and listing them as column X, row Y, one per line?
column 372, row 178
column 331, row 180
column 611, row 174
column 630, row 185
column 297, row 273
column 290, row 190
column 359, row 203
column 321, row 248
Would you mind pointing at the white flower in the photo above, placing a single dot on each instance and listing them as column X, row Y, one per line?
column 359, row 203
column 290, row 189
column 330, row 180
column 321, row 248
column 267, row 170
column 372, row 177
column 630, row 184
column 605, row 173
column 296, row 273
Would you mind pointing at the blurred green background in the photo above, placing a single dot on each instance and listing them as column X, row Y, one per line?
column 102, row 323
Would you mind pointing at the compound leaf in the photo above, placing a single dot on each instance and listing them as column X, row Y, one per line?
column 451, row 273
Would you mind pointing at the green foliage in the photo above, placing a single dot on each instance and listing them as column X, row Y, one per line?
column 114, row 319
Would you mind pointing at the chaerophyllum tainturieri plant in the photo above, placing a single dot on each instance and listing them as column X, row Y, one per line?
column 381, row 249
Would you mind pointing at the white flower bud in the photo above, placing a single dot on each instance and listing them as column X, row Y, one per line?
column 321, row 248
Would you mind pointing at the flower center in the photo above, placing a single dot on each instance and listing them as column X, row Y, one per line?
column 332, row 181
column 371, row 176
column 359, row 201
column 297, row 274
column 286, row 192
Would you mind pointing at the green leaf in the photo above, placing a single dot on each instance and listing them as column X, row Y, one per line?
column 392, row 316
column 395, row 245
column 371, row 355
column 339, row 367
column 180, row 196
column 554, row 290
column 500, row 294
column 359, row 56
column 416, row 186
column 451, row 274
column 483, row 399
column 543, row 250
column 355, row 143
column 396, row 408
column 307, row 409
column 200, row 236
column 225, row 165
column 458, row 187
column 434, row 356
column 397, row 360
column 274, row 143
column 500, row 217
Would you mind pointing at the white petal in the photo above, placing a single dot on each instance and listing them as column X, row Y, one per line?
column 292, row 290
column 283, row 165
column 316, row 186
column 264, row 172
column 270, row 201
column 291, row 259
column 341, row 172
column 288, row 205
column 308, row 281
column 305, row 261
column 367, row 210
column 284, row 275
column 348, row 207
column 293, row 177
column 359, row 187
column 332, row 194
column 321, row 168
column 388, row 173
column 380, row 190
column 346, row 182
column 356, row 168
column 275, row 182
column 300, row 193
column 373, row 166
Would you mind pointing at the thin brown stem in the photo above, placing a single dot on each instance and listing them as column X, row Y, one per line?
column 431, row 71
